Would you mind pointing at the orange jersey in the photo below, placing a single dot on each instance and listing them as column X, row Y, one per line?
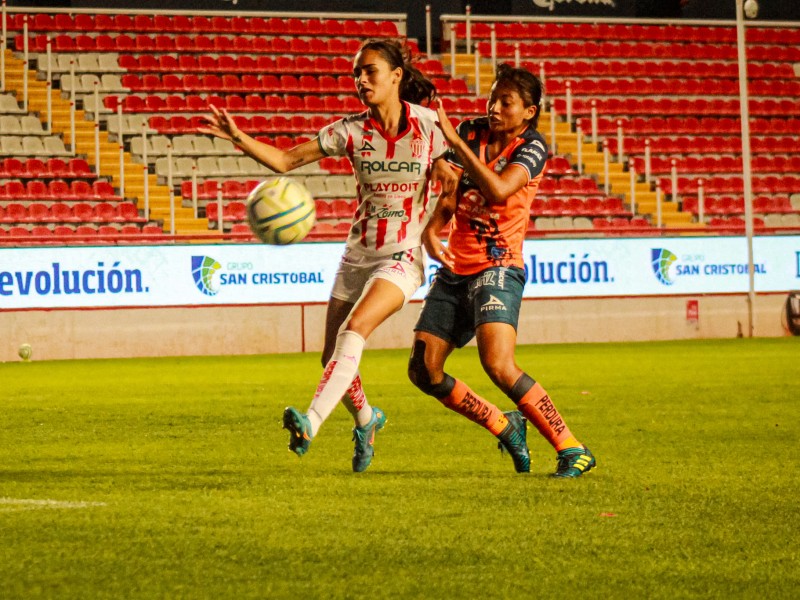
column 484, row 235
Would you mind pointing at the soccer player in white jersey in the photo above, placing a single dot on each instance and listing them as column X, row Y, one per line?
column 396, row 150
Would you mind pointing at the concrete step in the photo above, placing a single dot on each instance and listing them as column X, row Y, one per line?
column 689, row 225
column 461, row 60
column 565, row 143
column 665, row 212
column 677, row 218
column 182, row 224
column 162, row 214
column 671, row 220
column 668, row 212
column 137, row 185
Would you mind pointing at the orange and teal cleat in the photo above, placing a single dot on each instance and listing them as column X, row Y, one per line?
column 364, row 437
column 574, row 462
column 299, row 430
column 513, row 439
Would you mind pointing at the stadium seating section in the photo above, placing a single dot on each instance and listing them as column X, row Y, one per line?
column 671, row 90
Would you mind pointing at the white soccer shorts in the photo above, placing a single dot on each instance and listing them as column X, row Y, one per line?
column 404, row 269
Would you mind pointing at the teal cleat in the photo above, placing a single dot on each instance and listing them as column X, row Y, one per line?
column 574, row 462
column 364, row 437
column 299, row 430
column 513, row 439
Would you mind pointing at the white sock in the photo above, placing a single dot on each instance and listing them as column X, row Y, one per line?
column 356, row 402
column 337, row 377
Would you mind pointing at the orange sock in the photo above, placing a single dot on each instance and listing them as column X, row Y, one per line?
column 465, row 402
column 539, row 410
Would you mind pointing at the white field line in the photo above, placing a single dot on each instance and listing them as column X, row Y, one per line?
column 18, row 504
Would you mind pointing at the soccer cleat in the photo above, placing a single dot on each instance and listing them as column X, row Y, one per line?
column 299, row 430
column 513, row 439
column 364, row 437
column 574, row 462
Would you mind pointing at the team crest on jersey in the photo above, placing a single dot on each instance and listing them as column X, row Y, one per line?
column 417, row 147
column 500, row 164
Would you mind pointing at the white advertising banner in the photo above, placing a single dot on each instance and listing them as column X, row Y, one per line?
column 197, row 275
column 659, row 266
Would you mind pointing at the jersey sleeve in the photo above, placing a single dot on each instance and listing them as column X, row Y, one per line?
column 333, row 138
column 531, row 156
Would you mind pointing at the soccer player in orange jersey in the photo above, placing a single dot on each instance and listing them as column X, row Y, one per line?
column 478, row 290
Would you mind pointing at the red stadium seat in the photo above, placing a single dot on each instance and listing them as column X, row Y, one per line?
column 63, row 231
column 61, row 213
column 233, row 189
column 38, row 212
column 35, row 167
column 593, row 206
column 59, row 190
column 84, row 22
column 41, row 231
column 127, row 212
column 554, row 207
column 78, row 167
column 83, row 212
column 235, row 211
column 86, row 231
column 12, row 168
column 104, row 189
column 221, row 24
column 37, row 190
column 15, row 213
column 104, row 22
column 104, row 212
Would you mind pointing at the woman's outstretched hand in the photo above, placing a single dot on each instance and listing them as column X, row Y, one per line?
column 221, row 125
column 444, row 123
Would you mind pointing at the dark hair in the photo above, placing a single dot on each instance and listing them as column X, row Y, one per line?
column 528, row 86
column 414, row 87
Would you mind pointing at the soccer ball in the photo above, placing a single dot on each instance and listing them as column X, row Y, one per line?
column 280, row 211
column 25, row 352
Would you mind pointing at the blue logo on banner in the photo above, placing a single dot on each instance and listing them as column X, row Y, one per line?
column 661, row 260
column 203, row 269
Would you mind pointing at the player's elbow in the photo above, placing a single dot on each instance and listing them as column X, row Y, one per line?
column 280, row 167
column 496, row 196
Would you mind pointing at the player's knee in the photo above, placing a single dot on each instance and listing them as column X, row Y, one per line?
column 503, row 373
column 417, row 371
column 421, row 376
column 362, row 325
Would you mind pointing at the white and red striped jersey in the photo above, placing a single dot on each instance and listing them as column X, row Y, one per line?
column 392, row 175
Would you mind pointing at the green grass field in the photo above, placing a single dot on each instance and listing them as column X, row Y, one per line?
column 171, row 479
